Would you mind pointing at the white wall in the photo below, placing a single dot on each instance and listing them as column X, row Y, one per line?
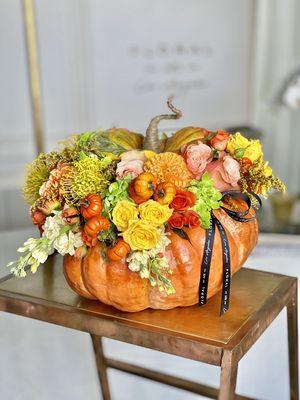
column 115, row 63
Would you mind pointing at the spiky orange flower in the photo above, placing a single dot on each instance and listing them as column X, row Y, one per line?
column 169, row 167
column 50, row 188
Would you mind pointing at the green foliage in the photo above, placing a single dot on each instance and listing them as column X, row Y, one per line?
column 207, row 198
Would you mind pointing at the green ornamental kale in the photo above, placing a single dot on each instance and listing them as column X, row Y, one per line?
column 207, row 198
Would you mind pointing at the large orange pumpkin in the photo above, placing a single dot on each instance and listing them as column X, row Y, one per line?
column 114, row 284
column 111, row 282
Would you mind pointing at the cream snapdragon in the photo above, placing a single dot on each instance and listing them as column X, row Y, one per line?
column 57, row 235
column 153, row 264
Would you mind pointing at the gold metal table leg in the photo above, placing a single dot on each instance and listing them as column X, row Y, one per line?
column 101, row 366
column 229, row 369
column 292, row 319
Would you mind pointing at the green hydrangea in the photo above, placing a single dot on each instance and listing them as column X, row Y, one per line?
column 116, row 192
column 207, row 198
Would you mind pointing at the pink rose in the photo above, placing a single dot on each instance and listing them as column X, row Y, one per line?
column 131, row 167
column 197, row 156
column 225, row 172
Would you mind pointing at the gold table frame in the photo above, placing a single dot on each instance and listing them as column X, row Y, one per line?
column 196, row 333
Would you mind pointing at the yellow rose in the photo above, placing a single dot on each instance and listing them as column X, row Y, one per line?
column 124, row 211
column 253, row 151
column 238, row 146
column 236, row 141
column 154, row 212
column 141, row 235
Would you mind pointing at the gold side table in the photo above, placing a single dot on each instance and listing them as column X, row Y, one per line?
column 195, row 333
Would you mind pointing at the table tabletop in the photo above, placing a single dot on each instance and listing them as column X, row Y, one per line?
column 256, row 298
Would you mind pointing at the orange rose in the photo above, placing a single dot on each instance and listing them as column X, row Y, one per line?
column 183, row 200
column 219, row 141
column 177, row 220
column 191, row 219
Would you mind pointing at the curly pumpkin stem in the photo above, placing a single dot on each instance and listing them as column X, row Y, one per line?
column 151, row 141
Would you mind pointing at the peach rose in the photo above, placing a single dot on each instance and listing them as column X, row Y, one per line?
column 225, row 172
column 133, row 155
column 129, row 167
column 197, row 156
column 131, row 163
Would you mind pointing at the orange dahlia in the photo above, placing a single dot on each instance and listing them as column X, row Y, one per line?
column 169, row 167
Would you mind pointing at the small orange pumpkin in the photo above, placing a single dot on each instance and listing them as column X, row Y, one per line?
column 119, row 251
column 92, row 206
column 165, row 193
column 135, row 197
column 96, row 224
column 144, row 185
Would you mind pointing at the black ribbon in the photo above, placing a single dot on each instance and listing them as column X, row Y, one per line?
column 240, row 216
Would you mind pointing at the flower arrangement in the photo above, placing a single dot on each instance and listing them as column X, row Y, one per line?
column 104, row 189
